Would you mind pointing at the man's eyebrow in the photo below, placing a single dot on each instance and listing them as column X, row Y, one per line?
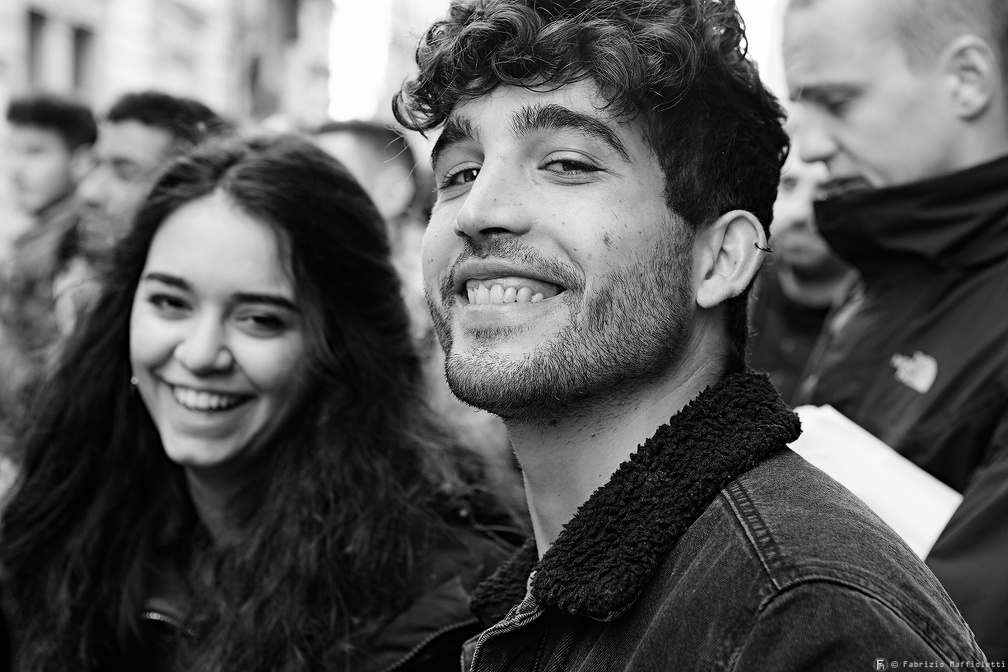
column 457, row 129
column 823, row 93
column 553, row 117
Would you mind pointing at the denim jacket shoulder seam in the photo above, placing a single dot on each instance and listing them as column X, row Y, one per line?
column 768, row 601
column 748, row 518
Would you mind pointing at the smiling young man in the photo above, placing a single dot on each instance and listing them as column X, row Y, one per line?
column 606, row 172
column 905, row 102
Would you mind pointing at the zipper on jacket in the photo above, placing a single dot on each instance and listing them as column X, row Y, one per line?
column 520, row 616
column 160, row 617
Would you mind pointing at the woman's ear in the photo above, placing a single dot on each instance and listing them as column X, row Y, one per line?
column 727, row 255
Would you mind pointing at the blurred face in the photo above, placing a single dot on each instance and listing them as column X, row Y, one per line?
column 794, row 238
column 216, row 337
column 553, row 268
column 872, row 119
column 127, row 156
column 40, row 167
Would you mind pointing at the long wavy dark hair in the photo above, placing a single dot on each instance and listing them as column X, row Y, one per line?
column 349, row 503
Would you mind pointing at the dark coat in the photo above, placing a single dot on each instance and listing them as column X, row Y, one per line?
column 918, row 356
column 716, row 548
column 426, row 637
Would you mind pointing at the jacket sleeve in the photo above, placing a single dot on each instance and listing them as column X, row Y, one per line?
column 826, row 626
column 970, row 557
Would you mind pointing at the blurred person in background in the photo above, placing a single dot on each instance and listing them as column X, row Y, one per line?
column 138, row 135
column 381, row 159
column 234, row 467
column 906, row 102
column 384, row 163
column 799, row 283
column 48, row 151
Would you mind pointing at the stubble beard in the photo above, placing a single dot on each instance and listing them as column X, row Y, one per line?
column 631, row 332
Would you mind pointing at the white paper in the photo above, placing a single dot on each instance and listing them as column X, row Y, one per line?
column 911, row 501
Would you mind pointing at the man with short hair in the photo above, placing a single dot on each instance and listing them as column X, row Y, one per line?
column 606, row 171
column 801, row 281
column 48, row 150
column 138, row 135
column 906, row 102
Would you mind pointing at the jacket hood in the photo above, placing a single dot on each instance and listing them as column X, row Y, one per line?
column 605, row 555
column 955, row 221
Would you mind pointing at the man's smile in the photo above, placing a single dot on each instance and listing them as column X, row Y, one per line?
column 481, row 282
column 509, row 290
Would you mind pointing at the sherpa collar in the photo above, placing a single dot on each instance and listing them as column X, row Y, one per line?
column 607, row 552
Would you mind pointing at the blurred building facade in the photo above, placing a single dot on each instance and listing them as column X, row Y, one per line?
column 249, row 59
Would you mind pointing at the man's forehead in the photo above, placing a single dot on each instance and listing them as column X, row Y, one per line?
column 133, row 141
column 517, row 112
column 33, row 135
column 505, row 102
column 832, row 43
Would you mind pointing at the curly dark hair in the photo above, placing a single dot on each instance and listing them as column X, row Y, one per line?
column 678, row 66
column 359, row 485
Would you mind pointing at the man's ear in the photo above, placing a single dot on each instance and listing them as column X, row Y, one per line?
column 973, row 74
column 394, row 189
column 727, row 255
column 81, row 162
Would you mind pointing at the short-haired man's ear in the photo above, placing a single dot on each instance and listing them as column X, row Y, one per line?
column 727, row 255
column 394, row 190
column 973, row 74
column 81, row 162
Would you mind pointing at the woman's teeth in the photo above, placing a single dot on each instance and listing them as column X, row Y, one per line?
column 196, row 400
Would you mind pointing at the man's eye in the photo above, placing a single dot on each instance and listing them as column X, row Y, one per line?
column 787, row 184
column 571, row 167
column 459, row 176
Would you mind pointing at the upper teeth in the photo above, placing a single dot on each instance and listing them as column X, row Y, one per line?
column 491, row 291
column 204, row 401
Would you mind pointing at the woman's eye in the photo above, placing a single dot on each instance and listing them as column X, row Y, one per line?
column 166, row 303
column 263, row 323
column 459, row 176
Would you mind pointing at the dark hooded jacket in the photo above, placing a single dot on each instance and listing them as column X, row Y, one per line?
column 714, row 547
column 918, row 356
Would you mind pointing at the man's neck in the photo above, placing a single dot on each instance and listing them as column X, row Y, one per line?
column 565, row 460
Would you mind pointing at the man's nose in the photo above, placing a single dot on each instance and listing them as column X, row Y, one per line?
column 203, row 349
column 815, row 140
column 93, row 187
column 497, row 203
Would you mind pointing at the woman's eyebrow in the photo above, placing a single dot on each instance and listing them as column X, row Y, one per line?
column 166, row 279
column 270, row 299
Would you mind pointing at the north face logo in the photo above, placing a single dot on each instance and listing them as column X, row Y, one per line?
column 917, row 372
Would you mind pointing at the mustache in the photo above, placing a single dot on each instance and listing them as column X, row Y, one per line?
column 509, row 249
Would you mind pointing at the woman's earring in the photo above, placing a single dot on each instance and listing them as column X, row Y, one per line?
column 134, row 381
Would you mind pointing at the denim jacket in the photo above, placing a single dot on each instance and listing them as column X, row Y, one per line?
column 716, row 548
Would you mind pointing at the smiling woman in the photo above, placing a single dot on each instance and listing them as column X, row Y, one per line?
column 233, row 467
